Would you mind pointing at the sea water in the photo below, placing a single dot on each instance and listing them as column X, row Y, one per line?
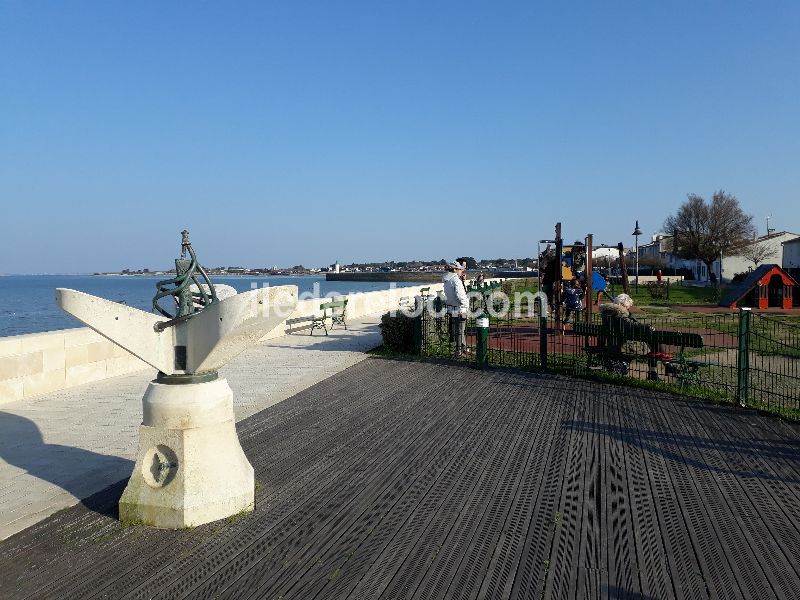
column 27, row 302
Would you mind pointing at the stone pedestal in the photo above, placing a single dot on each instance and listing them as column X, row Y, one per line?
column 190, row 468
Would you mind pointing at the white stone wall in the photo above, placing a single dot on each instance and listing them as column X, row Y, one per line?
column 39, row 363
column 649, row 278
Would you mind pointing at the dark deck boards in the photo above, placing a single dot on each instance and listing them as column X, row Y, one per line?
column 415, row 480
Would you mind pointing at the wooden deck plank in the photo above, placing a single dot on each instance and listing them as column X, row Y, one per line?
column 504, row 565
column 369, row 465
column 534, row 564
column 440, row 574
column 402, row 563
column 743, row 530
column 125, row 544
column 705, row 503
column 564, row 560
column 478, row 554
column 650, row 557
column 328, row 443
column 690, row 568
column 410, row 469
column 590, row 575
column 772, row 499
column 400, row 479
column 620, row 515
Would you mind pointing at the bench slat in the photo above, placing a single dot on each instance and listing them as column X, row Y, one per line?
column 335, row 304
column 668, row 338
column 591, row 329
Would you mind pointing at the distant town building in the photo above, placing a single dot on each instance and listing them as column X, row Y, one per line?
column 773, row 250
column 656, row 255
column 790, row 260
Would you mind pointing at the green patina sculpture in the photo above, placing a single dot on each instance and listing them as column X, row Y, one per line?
column 188, row 302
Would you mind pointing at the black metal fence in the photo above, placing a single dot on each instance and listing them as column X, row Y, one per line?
column 746, row 358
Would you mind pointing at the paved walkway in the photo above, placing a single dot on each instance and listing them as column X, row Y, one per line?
column 429, row 481
column 60, row 448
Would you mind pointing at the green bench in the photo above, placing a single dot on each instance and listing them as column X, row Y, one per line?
column 685, row 369
column 485, row 290
column 334, row 312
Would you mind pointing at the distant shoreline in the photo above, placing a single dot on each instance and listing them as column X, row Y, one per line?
column 421, row 276
column 163, row 274
column 381, row 276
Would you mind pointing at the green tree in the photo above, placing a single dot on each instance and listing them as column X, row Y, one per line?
column 471, row 262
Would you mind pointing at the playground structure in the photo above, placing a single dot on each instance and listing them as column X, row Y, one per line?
column 735, row 356
column 768, row 286
column 576, row 263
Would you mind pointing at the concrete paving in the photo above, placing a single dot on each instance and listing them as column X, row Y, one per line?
column 60, row 448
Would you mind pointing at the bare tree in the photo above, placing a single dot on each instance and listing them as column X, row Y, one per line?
column 758, row 252
column 707, row 230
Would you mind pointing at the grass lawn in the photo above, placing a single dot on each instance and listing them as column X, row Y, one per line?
column 678, row 294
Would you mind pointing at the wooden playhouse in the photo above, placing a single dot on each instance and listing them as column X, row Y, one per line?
column 768, row 286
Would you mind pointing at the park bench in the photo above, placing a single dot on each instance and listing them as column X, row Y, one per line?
column 685, row 369
column 409, row 303
column 486, row 290
column 334, row 312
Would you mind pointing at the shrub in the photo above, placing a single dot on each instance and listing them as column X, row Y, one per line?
column 657, row 289
column 398, row 332
column 739, row 277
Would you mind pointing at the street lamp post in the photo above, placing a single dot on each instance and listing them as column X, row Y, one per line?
column 636, row 233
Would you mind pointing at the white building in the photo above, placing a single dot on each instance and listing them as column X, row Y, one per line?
column 773, row 244
column 731, row 265
column 605, row 253
column 790, row 260
column 658, row 249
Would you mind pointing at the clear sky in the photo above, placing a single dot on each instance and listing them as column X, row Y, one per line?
column 302, row 132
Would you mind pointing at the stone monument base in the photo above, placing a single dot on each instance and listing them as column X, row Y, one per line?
column 190, row 468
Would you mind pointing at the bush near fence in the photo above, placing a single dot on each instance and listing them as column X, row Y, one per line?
column 397, row 330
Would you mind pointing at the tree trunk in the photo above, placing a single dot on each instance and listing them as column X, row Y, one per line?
column 712, row 276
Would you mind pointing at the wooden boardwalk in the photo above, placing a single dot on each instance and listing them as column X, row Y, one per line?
column 415, row 480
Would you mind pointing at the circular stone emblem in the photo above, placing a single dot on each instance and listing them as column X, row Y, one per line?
column 159, row 466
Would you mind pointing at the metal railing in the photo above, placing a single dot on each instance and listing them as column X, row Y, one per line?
column 745, row 358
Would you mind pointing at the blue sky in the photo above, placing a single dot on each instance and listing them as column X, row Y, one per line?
column 303, row 132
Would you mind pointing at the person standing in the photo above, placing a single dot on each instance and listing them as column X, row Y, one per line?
column 463, row 275
column 457, row 306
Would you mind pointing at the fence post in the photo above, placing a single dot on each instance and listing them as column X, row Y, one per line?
column 482, row 340
column 542, row 336
column 743, row 357
column 417, row 321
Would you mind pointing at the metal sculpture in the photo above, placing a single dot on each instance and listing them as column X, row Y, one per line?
column 190, row 468
column 187, row 301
